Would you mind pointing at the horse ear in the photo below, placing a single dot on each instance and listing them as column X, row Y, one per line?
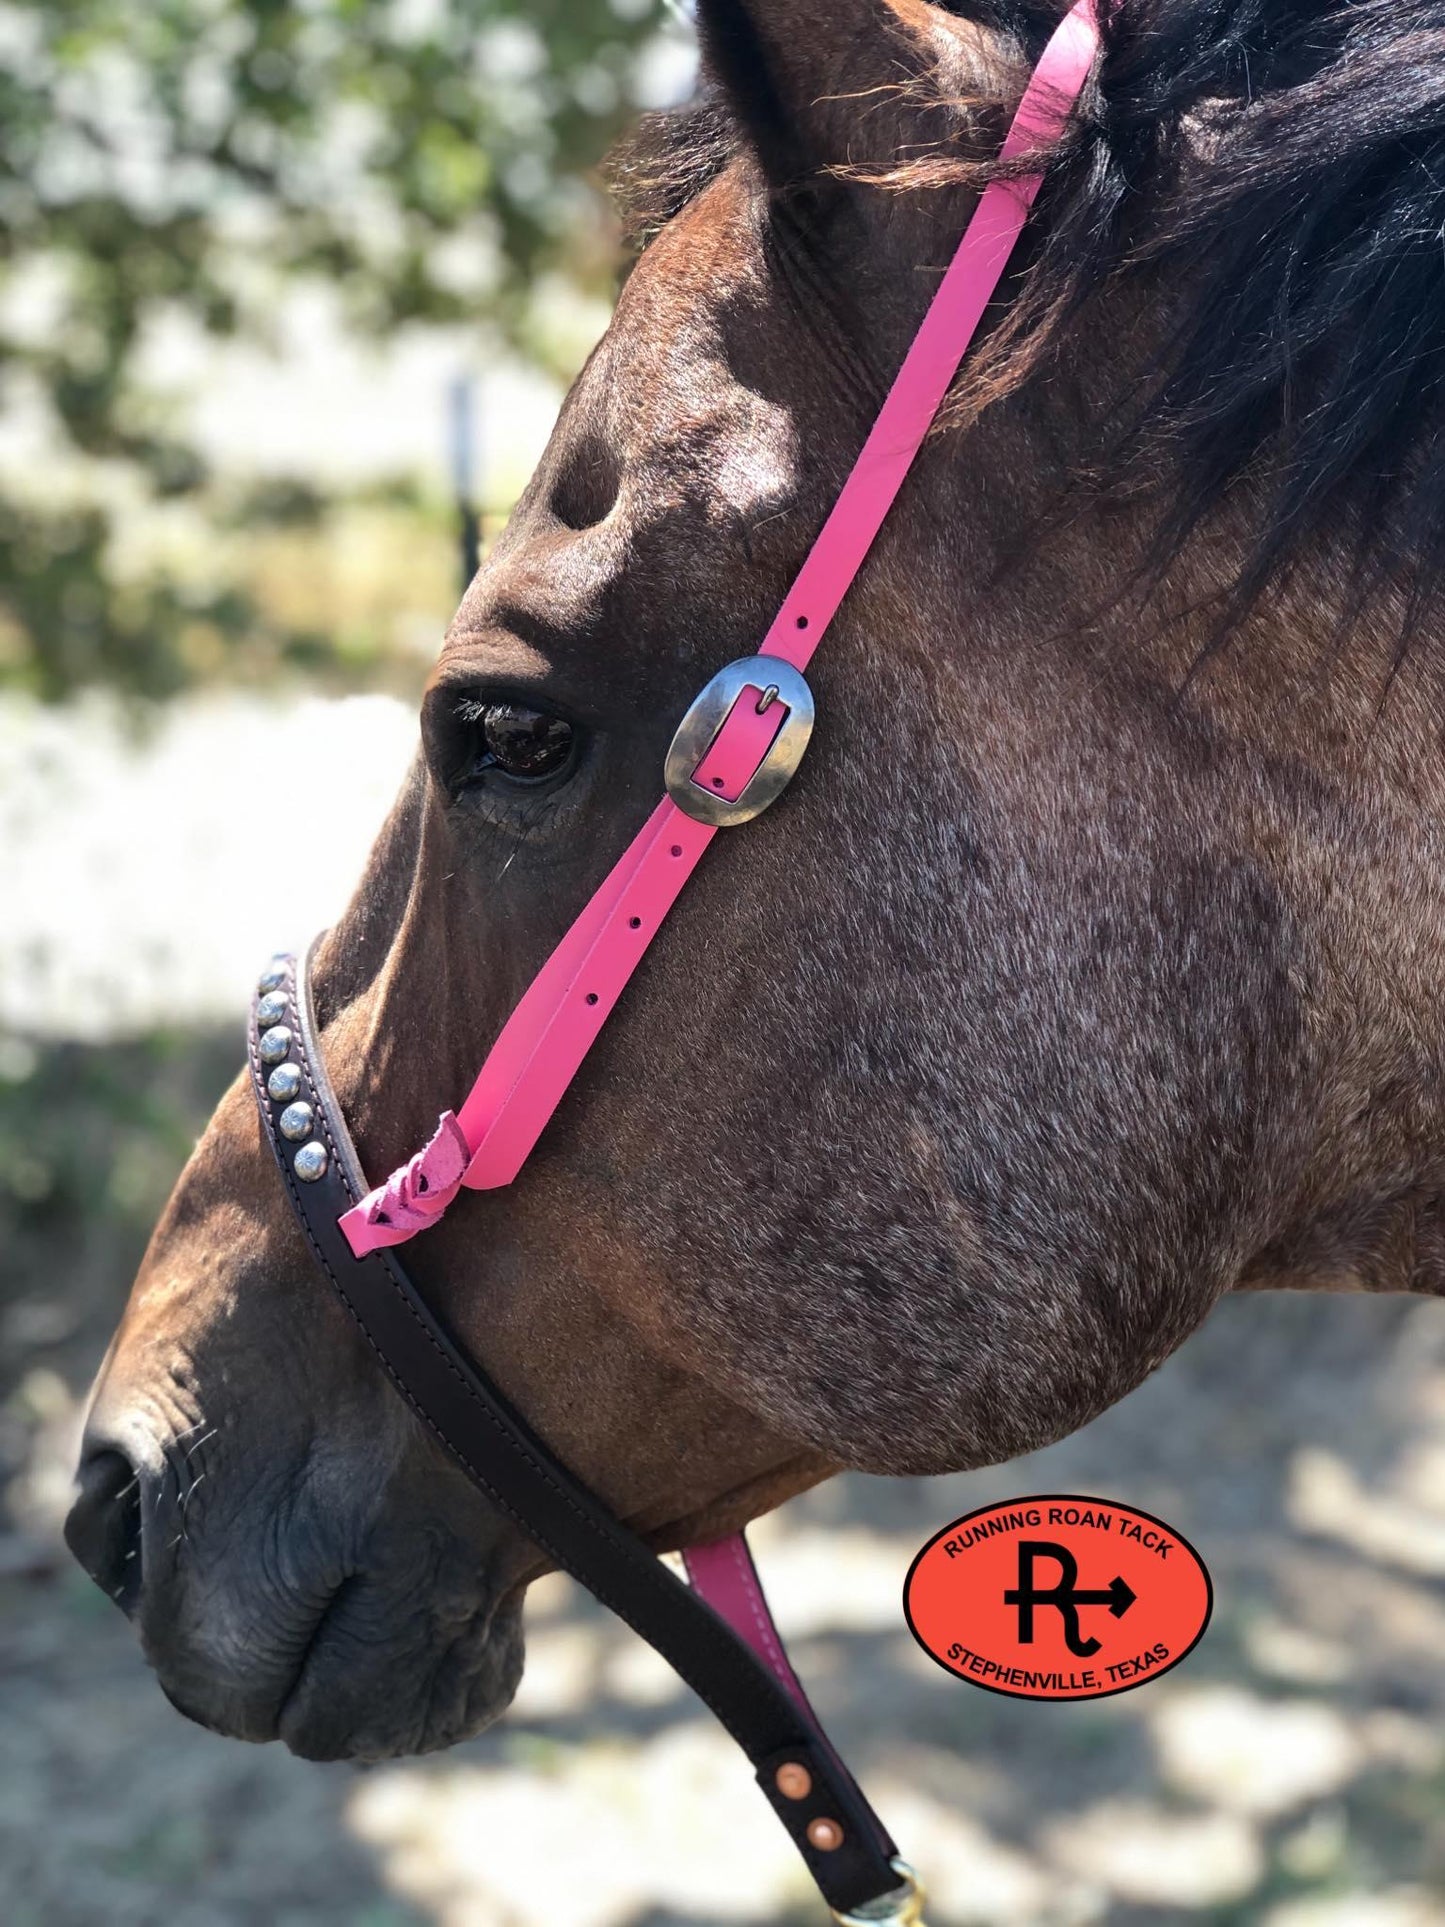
column 824, row 83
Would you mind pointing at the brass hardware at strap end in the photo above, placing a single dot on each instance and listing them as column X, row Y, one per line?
column 793, row 1780
column 902, row 1908
column 825, row 1834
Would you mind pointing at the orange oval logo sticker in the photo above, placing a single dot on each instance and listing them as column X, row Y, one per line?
column 1058, row 1597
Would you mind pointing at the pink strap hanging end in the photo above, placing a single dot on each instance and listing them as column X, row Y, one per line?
column 413, row 1197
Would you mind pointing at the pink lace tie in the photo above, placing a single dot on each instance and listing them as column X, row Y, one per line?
column 417, row 1194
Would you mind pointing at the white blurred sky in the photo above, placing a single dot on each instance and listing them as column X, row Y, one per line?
column 146, row 880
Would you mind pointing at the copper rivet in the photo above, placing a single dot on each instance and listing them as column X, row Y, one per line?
column 825, row 1835
column 793, row 1781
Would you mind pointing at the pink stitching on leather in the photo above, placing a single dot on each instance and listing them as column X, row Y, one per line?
column 762, row 1614
column 723, row 1574
column 544, row 1041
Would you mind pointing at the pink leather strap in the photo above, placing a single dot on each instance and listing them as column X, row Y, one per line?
column 724, row 1575
column 551, row 1030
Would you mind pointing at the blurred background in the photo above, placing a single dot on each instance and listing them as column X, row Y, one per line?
column 289, row 293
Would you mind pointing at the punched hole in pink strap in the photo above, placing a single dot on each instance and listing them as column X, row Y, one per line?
column 743, row 742
column 538, row 1050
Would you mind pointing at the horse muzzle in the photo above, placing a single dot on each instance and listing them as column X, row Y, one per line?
column 329, row 1602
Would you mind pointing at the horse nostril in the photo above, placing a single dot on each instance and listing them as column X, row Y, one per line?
column 103, row 1528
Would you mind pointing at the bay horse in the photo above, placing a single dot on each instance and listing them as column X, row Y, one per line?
column 1087, row 971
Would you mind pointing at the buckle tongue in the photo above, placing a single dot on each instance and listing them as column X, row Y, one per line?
column 731, row 757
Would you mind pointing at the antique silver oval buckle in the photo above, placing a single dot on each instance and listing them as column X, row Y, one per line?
column 695, row 771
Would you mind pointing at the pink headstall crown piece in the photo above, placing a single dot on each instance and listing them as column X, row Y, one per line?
column 544, row 1041
column 417, row 1194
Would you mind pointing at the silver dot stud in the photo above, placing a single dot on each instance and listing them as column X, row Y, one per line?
column 273, row 976
column 274, row 1044
column 310, row 1162
column 296, row 1121
column 272, row 1008
column 284, row 1083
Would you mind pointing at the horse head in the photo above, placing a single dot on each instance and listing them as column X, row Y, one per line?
column 1082, row 974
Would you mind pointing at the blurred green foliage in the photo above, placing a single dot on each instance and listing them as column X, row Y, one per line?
column 188, row 160
column 92, row 1137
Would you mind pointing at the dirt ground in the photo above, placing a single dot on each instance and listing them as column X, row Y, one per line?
column 1290, row 1773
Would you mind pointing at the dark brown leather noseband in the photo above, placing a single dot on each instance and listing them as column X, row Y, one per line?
column 517, row 1471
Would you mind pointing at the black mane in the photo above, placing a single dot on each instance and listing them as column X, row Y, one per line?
column 1280, row 163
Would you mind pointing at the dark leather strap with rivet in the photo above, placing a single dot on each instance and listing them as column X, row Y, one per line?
column 498, row 1450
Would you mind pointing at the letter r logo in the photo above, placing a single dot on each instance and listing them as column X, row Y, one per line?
column 1066, row 1596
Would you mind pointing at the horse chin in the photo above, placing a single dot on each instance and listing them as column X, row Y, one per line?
column 385, row 1706
column 358, row 1697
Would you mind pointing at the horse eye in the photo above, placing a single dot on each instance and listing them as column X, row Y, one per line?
column 525, row 744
